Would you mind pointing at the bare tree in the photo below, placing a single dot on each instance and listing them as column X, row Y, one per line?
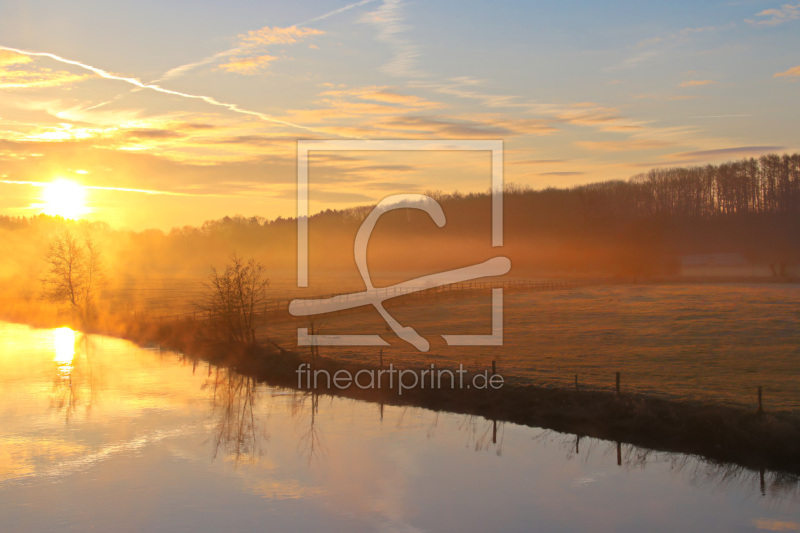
column 234, row 297
column 74, row 273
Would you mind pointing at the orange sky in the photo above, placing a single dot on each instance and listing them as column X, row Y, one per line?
column 182, row 122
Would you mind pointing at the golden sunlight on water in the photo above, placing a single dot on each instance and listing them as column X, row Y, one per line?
column 64, row 341
column 138, row 439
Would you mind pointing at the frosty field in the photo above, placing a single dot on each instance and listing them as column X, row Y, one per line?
column 712, row 342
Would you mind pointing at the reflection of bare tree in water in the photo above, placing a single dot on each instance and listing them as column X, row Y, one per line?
column 699, row 471
column 73, row 379
column 483, row 434
column 234, row 398
column 310, row 443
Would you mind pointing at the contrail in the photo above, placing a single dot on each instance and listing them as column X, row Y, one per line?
column 336, row 12
column 141, row 85
column 183, row 69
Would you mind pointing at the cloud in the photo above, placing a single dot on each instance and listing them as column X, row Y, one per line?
column 183, row 69
column 622, row 146
column 486, row 127
column 727, row 152
column 389, row 20
column 792, row 72
column 247, row 65
column 250, row 56
column 153, row 87
column 655, row 46
column 17, row 71
column 536, row 162
column 274, row 35
column 8, row 58
column 607, row 119
column 463, row 87
column 370, row 103
column 36, row 79
column 562, row 173
column 697, row 83
column 774, row 17
column 382, row 95
column 152, row 134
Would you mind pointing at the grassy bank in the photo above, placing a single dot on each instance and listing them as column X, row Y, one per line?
column 717, row 432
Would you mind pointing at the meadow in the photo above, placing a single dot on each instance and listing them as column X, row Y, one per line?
column 708, row 342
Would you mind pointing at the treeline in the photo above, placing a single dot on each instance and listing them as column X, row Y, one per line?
column 770, row 184
column 640, row 226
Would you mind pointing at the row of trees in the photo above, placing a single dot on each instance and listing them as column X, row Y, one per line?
column 770, row 184
column 751, row 206
column 75, row 273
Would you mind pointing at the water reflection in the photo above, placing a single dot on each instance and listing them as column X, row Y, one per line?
column 238, row 434
column 204, row 448
column 310, row 443
column 64, row 343
column 73, row 380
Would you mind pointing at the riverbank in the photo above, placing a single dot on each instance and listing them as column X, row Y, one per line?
column 717, row 432
column 766, row 440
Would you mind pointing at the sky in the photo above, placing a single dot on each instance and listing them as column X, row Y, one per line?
column 173, row 113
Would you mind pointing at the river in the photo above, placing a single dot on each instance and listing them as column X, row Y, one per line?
column 99, row 434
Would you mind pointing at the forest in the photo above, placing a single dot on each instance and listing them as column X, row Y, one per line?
column 638, row 227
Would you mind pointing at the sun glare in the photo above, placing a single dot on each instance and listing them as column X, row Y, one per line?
column 64, row 198
column 64, row 343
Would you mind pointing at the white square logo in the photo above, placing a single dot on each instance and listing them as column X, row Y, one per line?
column 375, row 296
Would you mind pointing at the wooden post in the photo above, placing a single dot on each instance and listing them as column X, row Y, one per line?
column 760, row 403
column 494, row 431
column 494, row 368
column 619, row 453
column 618, row 389
column 576, row 383
column 762, row 482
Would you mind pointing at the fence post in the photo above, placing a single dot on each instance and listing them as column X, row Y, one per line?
column 760, row 403
column 576, row 383
column 494, row 368
column 618, row 389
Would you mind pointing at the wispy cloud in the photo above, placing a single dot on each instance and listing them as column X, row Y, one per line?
column 792, row 72
column 476, row 127
column 153, row 87
column 629, row 145
column 726, row 152
column 274, row 35
column 18, row 72
column 225, row 54
column 251, row 56
column 467, row 87
column 8, row 57
column 647, row 49
column 776, row 16
column 118, row 189
column 247, row 65
column 697, row 83
column 390, row 22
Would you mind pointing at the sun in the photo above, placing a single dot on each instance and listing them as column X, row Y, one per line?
column 64, row 198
